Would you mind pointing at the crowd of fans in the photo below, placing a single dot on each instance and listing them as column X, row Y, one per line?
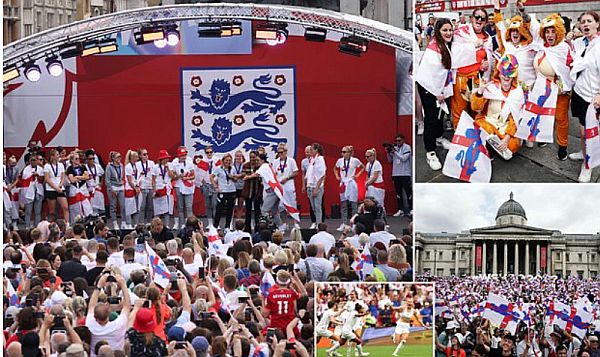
column 462, row 330
column 81, row 291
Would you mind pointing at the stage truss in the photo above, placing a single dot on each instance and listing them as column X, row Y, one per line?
column 41, row 44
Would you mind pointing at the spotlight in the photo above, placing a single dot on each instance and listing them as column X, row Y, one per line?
column 32, row 72
column 219, row 29
column 236, row 28
column 90, row 48
column 149, row 34
column 353, row 45
column 10, row 73
column 315, row 34
column 54, row 66
column 108, row 45
column 162, row 43
column 172, row 37
column 70, row 50
column 266, row 31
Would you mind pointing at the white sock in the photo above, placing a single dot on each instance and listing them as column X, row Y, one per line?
column 334, row 346
column 399, row 347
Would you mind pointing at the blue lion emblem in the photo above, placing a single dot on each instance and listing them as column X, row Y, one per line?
column 468, row 158
column 223, row 140
column 221, row 101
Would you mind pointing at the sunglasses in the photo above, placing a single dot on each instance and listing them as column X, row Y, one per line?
column 280, row 152
column 144, row 154
column 90, row 158
column 479, row 17
column 209, row 152
column 344, row 151
column 367, row 156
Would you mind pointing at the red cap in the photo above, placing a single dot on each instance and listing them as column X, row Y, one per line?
column 144, row 321
column 163, row 154
column 181, row 152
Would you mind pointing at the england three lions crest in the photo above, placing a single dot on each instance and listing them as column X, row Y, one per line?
column 239, row 109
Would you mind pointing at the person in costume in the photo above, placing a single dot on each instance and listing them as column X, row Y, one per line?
column 586, row 74
column 553, row 62
column 347, row 169
column 434, row 84
column 470, row 49
column 499, row 104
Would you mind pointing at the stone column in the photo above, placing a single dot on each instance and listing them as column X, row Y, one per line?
column 549, row 260
column 564, row 263
column 516, row 257
column 495, row 259
column 416, row 260
column 456, row 261
column 526, row 258
column 505, row 271
column 473, row 257
column 537, row 257
column 483, row 258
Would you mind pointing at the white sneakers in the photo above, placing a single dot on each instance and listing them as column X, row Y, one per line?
column 495, row 143
column 420, row 127
column 400, row 213
column 443, row 142
column 433, row 161
column 313, row 226
column 115, row 225
column 585, row 175
column 341, row 228
column 576, row 156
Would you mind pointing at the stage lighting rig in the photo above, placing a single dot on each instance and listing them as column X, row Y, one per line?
column 273, row 33
column 32, row 71
column 353, row 45
column 54, row 66
column 315, row 34
column 219, row 29
column 149, row 34
column 10, row 73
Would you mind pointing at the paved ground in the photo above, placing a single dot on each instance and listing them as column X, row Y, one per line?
column 529, row 165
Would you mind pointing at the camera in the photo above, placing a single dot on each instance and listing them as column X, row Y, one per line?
column 388, row 147
column 114, row 300
column 38, row 315
column 268, row 222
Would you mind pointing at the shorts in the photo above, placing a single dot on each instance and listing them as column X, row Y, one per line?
column 402, row 328
column 579, row 107
column 348, row 335
column 321, row 332
column 52, row 195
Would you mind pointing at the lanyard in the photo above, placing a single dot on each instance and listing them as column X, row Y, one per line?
column 346, row 166
column 144, row 169
column 118, row 171
column 135, row 171
column 370, row 169
column 227, row 172
column 282, row 167
column 210, row 167
column 11, row 175
column 238, row 169
column 162, row 171
column 55, row 172
column 93, row 172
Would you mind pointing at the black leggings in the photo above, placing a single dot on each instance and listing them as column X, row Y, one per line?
column 433, row 119
column 252, row 204
column 226, row 203
column 403, row 183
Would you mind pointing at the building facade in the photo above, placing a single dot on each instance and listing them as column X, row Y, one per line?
column 510, row 246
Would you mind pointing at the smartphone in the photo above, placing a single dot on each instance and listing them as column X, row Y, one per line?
column 114, row 299
column 339, row 244
column 242, row 300
column 147, row 304
column 180, row 345
column 290, row 346
column 394, row 241
column 201, row 273
column 248, row 314
column 38, row 314
column 24, row 267
column 111, row 279
column 253, row 292
column 270, row 334
column 41, row 271
column 291, row 268
column 58, row 320
column 206, row 315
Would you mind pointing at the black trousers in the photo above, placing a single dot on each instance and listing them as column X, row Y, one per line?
column 433, row 119
column 252, row 208
column 225, row 206
column 403, row 183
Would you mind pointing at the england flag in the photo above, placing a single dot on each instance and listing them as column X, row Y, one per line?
column 501, row 313
column 266, row 283
column 468, row 159
column 268, row 175
column 364, row 264
column 161, row 274
column 573, row 319
column 215, row 244
column 537, row 118
column 592, row 138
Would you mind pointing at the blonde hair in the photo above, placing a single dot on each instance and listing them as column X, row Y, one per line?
column 281, row 258
column 295, row 235
column 349, row 148
column 371, row 151
column 128, row 156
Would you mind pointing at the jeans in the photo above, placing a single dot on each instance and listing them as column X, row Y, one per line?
column 210, row 200
column 36, row 207
column 344, row 209
column 433, row 120
column 403, row 183
column 316, row 202
column 270, row 207
column 112, row 200
column 146, row 206
column 226, row 203
column 184, row 200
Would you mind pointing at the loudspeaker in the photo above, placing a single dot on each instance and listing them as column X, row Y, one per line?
column 336, row 212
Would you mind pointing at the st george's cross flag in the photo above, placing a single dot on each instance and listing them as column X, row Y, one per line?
column 468, row 159
column 536, row 123
column 500, row 312
column 364, row 264
column 269, row 177
column 592, row 138
column 215, row 244
column 266, row 283
column 13, row 298
column 574, row 320
column 160, row 273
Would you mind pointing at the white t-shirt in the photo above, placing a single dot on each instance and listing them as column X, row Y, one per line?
column 113, row 332
column 28, row 172
column 224, row 179
column 132, row 170
column 115, row 259
column 192, row 268
column 233, row 236
column 182, row 168
column 126, row 269
column 383, row 237
column 145, row 172
column 347, row 168
column 316, row 170
column 96, row 172
column 305, row 162
column 284, row 168
column 324, row 239
column 325, row 320
column 372, row 168
column 162, row 176
column 55, row 172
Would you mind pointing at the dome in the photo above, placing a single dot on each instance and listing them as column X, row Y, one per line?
column 511, row 208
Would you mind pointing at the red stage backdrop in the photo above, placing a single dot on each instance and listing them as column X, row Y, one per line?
column 127, row 102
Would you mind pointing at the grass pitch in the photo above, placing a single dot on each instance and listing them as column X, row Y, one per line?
column 377, row 351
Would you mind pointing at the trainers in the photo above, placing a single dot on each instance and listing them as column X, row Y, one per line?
column 420, row 128
column 283, row 227
column 123, row 225
column 313, row 226
column 400, row 213
column 562, row 153
column 433, row 161
column 529, row 144
column 115, row 225
column 495, row 143
column 341, row 227
column 411, row 213
column 586, row 174
column 576, row 156
column 443, row 142
column 542, row 145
